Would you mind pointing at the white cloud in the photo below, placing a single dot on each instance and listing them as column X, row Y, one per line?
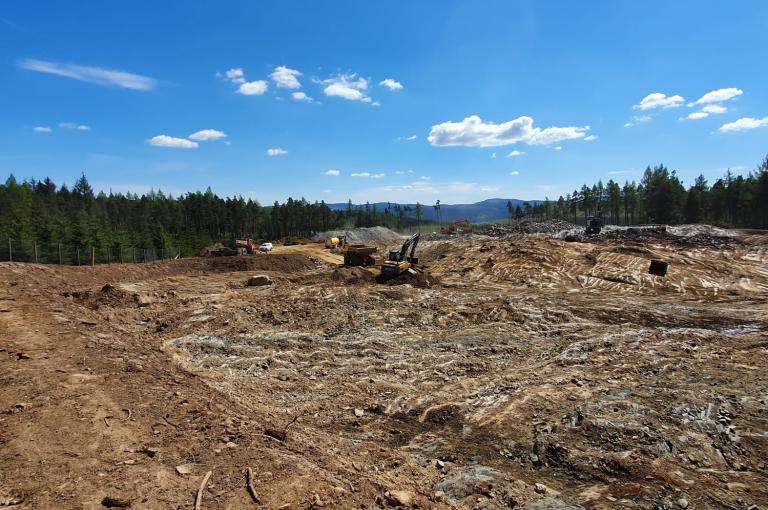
column 638, row 119
column 72, row 125
column 719, row 95
column 620, row 172
column 714, row 109
column 558, row 148
column 474, row 132
column 347, row 86
column 207, row 135
column 391, row 84
column 425, row 178
column 367, row 174
column 286, row 78
column 277, row 151
column 493, row 155
column 406, row 138
column 235, row 75
column 333, row 173
column 515, row 153
column 591, row 138
column 253, row 88
column 301, row 96
column 659, row 100
column 744, row 124
column 97, row 75
column 41, row 129
column 514, row 172
column 171, row 142
column 696, row 116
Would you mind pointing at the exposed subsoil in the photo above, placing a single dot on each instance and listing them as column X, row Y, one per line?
column 528, row 372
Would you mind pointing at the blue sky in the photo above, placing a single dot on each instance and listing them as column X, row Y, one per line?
column 398, row 101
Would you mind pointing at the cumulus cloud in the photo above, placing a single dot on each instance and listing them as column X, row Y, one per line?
column 41, row 129
column 253, row 88
column 368, row 175
column 515, row 154
column 391, row 84
column 591, row 138
column 714, row 109
column 277, row 151
column 171, row 142
column 640, row 119
column 474, row 132
column 301, row 96
column 659, row 100
column 514, row 172
column 347, row 86
column 286, row 78
column 333, row 173
column 207, row 135
column 744, row 124
column 558, row 148
column 72, row 125
column 719, row 95
column 235, row 75
column 696, row 116
column 96, row 75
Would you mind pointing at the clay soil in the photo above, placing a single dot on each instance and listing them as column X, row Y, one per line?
column 524, row 372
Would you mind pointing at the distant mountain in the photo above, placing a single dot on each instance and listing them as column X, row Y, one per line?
column 493, row 209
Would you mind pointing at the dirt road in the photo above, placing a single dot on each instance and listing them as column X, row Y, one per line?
column 532, row 373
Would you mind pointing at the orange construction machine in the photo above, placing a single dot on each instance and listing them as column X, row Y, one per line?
column 458, row 227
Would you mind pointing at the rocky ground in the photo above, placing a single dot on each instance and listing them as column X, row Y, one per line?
column 526, row 371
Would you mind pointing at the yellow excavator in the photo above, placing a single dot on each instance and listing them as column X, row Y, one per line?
column 400, row 261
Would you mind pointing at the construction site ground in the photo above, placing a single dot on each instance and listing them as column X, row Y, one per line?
column 524, row 372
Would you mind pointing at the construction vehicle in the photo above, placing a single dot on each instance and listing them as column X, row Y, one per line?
column 595, row 224
column 359, row 255
column 461, row 227
column 400, row 261
column 336, row 244
column 246, row 245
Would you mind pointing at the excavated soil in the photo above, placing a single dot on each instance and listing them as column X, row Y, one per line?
column 530, row 372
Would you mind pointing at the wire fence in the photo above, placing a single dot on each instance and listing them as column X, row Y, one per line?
column 23, row 250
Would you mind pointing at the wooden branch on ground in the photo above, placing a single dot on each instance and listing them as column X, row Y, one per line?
column 249, row 485
column 199, row 498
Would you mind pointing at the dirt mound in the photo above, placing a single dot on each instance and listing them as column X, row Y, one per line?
column 678, row 236
column 352, row 275
column 362, row 235
column 288, row 263
column 108, row 295
column 526, row 227
column 217, row 250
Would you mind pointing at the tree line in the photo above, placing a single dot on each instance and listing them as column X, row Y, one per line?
column 42, row 211
column 661, row 197
column 48, row 213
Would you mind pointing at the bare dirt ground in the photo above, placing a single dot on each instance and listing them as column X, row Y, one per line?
column 531, row 372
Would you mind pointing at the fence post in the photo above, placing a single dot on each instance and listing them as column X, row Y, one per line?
column 93, row 256
column 121, row 254
column 59, row 253
column 34, row 244
column 78, row 254
column 134, row 254
column 10, row 251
